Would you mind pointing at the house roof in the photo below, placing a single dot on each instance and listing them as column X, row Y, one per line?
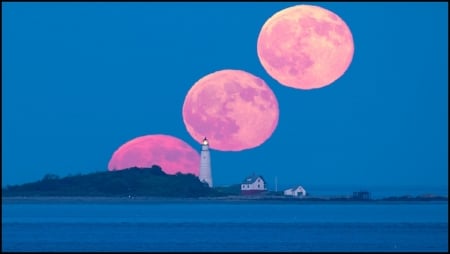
column 251, row 179
column 295, row 188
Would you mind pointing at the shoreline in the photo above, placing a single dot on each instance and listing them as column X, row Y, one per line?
column 227, row 199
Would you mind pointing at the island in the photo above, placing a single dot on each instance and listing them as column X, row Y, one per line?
column 144, row 184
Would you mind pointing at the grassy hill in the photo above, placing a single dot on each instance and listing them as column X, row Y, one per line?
column 130, row 182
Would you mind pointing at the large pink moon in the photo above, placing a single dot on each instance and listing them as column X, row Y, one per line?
column 305, row 47
column 234, row 109
column 172, row 154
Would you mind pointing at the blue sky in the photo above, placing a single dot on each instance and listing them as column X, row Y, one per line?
column 81, row 79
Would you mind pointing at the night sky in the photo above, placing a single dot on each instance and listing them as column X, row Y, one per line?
column 81, row 79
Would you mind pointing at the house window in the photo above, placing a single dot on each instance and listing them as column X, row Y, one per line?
column 258, row 185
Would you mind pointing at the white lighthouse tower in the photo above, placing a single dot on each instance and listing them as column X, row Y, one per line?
column 205, row 164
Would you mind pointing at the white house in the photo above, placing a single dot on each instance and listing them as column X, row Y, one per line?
column 296, row 192
column 253, row 184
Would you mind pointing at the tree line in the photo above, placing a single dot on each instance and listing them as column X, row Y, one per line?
column 129, row 182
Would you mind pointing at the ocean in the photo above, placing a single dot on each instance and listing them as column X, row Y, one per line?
column 224, row 226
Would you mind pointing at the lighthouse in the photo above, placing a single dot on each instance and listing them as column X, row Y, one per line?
column 205, row 164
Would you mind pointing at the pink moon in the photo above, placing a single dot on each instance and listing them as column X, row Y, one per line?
column 305, row 47
column 170, row 153
column 234, row 109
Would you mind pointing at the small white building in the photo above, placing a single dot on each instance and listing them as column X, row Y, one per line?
column 298, row 191
column 253, row 184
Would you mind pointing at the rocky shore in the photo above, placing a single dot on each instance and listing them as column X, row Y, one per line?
column 234, row 199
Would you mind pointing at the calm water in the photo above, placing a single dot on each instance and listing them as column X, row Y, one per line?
column 212, row 226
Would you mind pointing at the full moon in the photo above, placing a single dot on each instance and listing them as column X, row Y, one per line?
column 234, row 109
column 305, row 47
column 171, row 154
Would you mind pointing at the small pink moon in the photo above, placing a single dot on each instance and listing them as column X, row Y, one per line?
column 171, row 154
column 305, row 47
column 234, row 109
